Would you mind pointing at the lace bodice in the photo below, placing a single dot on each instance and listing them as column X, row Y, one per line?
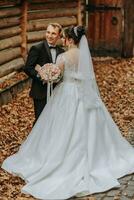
column 70, row 61
column 86, row 88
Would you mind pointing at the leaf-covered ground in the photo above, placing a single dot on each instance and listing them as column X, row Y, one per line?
column 115, row 80
column 12, row 80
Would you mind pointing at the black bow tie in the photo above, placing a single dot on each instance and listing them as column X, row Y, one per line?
column 52, row 47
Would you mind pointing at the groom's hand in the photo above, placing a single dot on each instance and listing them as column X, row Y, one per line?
column 38, row 68
column 39, row 75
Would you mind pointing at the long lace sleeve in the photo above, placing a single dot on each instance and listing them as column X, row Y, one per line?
column 60, row 62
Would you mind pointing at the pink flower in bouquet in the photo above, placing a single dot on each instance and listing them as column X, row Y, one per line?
column 50, row 73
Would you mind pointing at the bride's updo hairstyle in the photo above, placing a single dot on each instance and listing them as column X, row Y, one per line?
column 75, row 32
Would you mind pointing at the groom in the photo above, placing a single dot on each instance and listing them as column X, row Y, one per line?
column 42, row 53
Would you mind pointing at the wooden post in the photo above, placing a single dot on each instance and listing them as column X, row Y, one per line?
column 79, row 14
column 128, row 40
column 23, row 25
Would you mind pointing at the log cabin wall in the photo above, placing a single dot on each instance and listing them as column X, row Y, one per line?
column 41, row 12
column 23, row 23
column 10, row 37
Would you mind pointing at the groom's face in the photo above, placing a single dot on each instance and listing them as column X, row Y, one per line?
column 52, row 34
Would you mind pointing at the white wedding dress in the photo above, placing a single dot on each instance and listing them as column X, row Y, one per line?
column 72, row 148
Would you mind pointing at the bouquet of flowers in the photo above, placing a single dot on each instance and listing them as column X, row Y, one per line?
column 49, row 72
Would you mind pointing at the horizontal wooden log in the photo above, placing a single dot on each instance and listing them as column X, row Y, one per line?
column 112, row 3
column 9, row 32
column 9, row 54
column 52, row 13
column 8, row 22
column 10, row 42
column 7, row 77
column 42, row 24
column 55, row 5
column 11, row 66
column 9, row 3
column 8, row 12
column 36, row 36
column 49, row 1
column 41, row 1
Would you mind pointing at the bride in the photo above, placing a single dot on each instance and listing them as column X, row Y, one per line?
column 75, row 148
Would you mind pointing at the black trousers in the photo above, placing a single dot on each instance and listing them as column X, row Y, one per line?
column 39, row 104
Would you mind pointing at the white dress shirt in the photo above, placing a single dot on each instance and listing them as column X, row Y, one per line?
column 53, row 53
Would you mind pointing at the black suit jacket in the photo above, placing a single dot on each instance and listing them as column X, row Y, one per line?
column 39, row 54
